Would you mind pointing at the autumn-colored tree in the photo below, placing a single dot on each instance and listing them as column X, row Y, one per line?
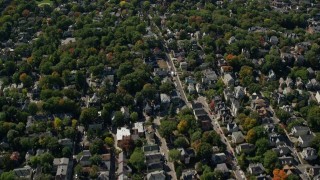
column 230, row 57
column 74, row 123
column 126, row 144
column 25, row 13
column 246, row 75
column 251, row 135
column 57, row 123
column 249, row 123
column 279, row 174
column 182, row 126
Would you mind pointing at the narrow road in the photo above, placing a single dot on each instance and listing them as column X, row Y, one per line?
column 216, row 126
column 176, row 78
column 165, row 151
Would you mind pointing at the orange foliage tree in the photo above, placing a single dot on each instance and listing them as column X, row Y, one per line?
column 279, row 174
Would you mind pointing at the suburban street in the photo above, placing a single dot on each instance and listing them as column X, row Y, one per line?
column 175, row 75
column 214, row 120
column 165, row 151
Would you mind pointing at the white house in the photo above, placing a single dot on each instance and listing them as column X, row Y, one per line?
column 228, row 80
column 122, row 132
column 318, row 96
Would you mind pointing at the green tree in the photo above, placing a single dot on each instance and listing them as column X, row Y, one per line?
column 137, row 159
column 66, row 152
column 282, row 115
column 118, row 119
column 109, row 141
column 88, row 115
column 32, row 108
column 166, row 87
column 7, row 176
column 174, row 155
column 313, row 118
column 271, row 160
column 181, row 142
column 293, row 177
column 167, row 127
column 262, row 146
column 95, row 159
column 134, row 116
column 205, row 151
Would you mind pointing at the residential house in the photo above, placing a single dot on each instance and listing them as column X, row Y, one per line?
column 228, row 94
column 271, row 75
column 274, row 40
column 222, row 167
column 186, row 155
column 275, row 138
column 287, row 108
column 311, row 72
column 68, row 41
column 199, row 112
column 183, row 66
column 318, row 96
column 232, row 127
column 282, row 150
column 313, row 84
column 209, row 77
column 138, row 129
column 231, row 40
column 63, row 168
column 199, row 88
column 305, row 140
column 245, row 148
column 256, row 169
column 84, row 158
column 154, row 161
column 300, row 131
column 160, row 72
column 313, row 171
column 66, row 142
column 125, row 111
column 189, row 174
column 218, row 158
column 150, row 148
column 123, row 132
column 237, row 137
column 287, row 160
column 269, row 127
column 239, row 92
column 23, row 173
column 106, row 160
column 191, row 88
column 299, row 83
column 148, row 109
column 299, row 59
column 309, row 154
column 156, row 175
column 228, row 80
column 258, row 104
column 206, row 125
column 235, row 105
column 165, row 100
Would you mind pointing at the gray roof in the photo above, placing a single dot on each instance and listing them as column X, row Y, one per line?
column 156, row 175
column 23, row 172
column 222, row 167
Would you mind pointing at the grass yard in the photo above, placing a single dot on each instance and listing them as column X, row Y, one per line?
column 162, row 64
